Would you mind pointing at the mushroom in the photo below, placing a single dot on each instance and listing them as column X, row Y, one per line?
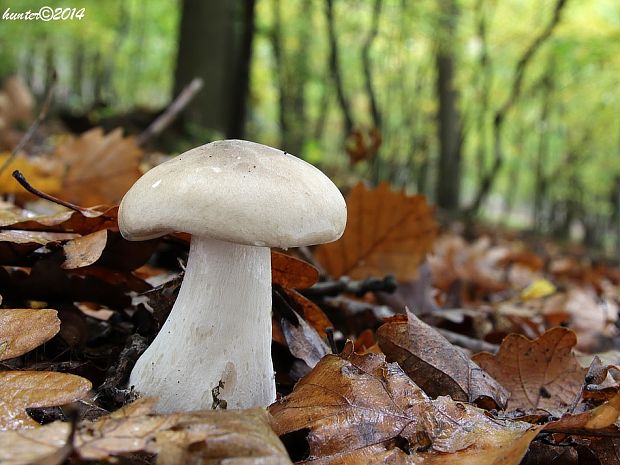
column 237, row 199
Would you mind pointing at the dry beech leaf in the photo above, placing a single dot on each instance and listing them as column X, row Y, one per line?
column 387, row 232
column 15, row 245
column 98, row 168
column 358, row 409
column 24, row 329
column 22, row 389
column 85, row 250
column 232, row 436
column 46, row 445
column 437, row 366
column 542, row 374
column 86, row 221
column 290, row 272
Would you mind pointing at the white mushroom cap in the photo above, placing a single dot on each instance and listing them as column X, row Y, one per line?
column 235, row 191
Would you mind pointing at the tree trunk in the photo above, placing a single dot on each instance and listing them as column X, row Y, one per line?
column 448, row 117
column 215, row 44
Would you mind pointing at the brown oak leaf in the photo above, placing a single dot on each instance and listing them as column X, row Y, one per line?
column 387, row 232
column 542, row 374
column 358, row 409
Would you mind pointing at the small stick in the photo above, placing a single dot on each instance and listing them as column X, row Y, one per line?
column 475, row 345
column 346, row 285
column 34, row 126
column 26, row 185
column 330, row 338
column 171, row 113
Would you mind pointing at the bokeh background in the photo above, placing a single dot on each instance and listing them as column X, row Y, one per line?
column 503, row 111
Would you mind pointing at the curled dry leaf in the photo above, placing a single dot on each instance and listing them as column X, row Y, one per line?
column 23, row 329
column 541, row 374
column 85, row 250
column 98, row 168
column 387, row 232
column 290, row 272
column 22, row 389
column 435, row 365
column 358, row 409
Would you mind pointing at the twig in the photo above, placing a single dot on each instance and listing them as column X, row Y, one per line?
column 26, row 185
column 171, row 113
column 34, row 126
column 351, row 307
column 346, row 285
column 475, row 345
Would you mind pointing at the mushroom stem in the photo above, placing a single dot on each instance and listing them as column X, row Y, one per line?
column 219, row 330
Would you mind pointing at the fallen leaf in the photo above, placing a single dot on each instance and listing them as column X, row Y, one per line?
column 23, row 389
column 599, row 417
column 387, row 232
column 435, row 365
column 542, row 374
column 35, row 170
column 98, row 168
column 290, row 272
column 85, row 250
column 46, row 445
column 83, row 222
column 303, row 341
column 310, row 311
column 23, row 329
column 538, row 289
column 220, row 436
column 358, row 409
column 15, row 245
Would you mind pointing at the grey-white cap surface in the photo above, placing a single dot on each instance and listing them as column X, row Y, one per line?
column 236, row 191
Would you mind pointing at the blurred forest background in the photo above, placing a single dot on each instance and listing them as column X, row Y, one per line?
column 500, row 110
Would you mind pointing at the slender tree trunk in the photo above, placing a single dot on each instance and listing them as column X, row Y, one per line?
column 541, row 180
column 215, row 44
column 334, row 67
column 490, row 176
column 448, row 116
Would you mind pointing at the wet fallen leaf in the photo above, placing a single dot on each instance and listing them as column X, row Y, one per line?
column 85, row 250
column 435, row 365
column 290, row 272
column 387, row 232
column 98, row 168
column 23, row 329
column 22, row 389
column 541, row 374
column 358, row 409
